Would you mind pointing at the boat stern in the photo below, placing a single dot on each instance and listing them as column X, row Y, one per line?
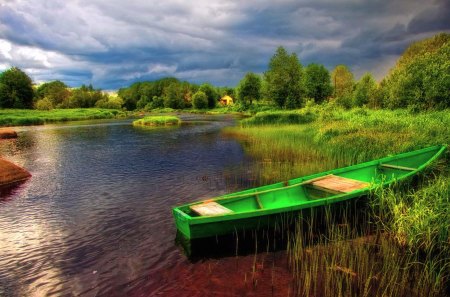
column 182, row 221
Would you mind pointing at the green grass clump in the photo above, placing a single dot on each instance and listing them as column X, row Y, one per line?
column 157, row 121
column 25, row 117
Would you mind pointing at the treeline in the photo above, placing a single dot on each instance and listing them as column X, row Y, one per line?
column 17, row 91
column 419, row 80
column 171, row 93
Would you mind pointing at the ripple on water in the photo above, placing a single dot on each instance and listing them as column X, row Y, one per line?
column 95, row 218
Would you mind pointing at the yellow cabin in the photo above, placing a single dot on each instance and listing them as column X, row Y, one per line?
column 226, row 100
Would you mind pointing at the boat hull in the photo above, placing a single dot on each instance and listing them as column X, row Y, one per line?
column 263, row 206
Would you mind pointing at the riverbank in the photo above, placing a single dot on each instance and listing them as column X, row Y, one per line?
column 413, row 217
column 27, row 117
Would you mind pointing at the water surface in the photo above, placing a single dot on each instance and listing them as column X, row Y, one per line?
column 95, row 218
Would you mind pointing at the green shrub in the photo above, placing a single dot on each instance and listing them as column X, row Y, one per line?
column 200, row 100
column 44, row 104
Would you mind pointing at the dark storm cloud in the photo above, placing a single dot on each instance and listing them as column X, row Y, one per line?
column 432, row 19
column 114, row 43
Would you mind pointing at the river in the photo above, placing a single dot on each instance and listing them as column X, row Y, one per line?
column 95, row 217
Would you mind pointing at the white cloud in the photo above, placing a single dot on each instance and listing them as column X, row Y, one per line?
column 5, row 49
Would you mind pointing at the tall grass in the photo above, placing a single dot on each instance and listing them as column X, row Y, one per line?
column 413, row 220
column 346, row 261
column 25, row 117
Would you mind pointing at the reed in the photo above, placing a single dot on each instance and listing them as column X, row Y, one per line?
column 347, row 261
column 404, row 248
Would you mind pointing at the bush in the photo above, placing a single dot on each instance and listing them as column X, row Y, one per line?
column 44, row 104
column 200, row 100
column 111, row 103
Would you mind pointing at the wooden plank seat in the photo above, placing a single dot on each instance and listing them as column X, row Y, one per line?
column 397, row 167
column 337, row 184
column 210, row 208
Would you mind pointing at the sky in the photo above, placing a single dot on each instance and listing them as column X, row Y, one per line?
column 113, row 43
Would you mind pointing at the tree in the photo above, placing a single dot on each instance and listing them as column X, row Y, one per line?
column 110, row 102
column 210, row 93
column 130, row 96
column 284, row 79
column 365, row 90
column 227, row 91
column 44, row 104
column 421, row 76
column 173, row 96
column 342, row 80
column 317, row 82
column 200, row 100
column 16, row 89
column 55, row 91
column 249, row 89
column 84, row 97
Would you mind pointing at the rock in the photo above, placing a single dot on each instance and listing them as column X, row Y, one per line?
column 6, row 133
column 11, row 173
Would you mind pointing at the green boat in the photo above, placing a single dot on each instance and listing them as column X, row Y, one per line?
column 257, row 207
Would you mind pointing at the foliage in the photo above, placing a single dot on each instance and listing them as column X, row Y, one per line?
column 342, row 80
column 142, row 95
column 16, row 90
column 110, row 103
column 83, row 97
column 284, row 79
column 210, row 93
column 55, row 91
column 44, row 104
column 23, row 117
column 227, row 91
column 249, row 89
column 365, row 90
column 157, row 121
column 199, row 100
column 173, row 97
column 421, row 77
column 317, row 82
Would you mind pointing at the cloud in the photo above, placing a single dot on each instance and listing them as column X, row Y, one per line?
column 434, row 18
column 114, row 43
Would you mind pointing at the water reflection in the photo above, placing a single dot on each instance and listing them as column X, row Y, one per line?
column 95, row 217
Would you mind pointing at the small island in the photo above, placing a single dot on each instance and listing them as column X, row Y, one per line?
column 158, row 121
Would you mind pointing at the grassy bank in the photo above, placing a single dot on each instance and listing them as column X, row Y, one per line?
column 157, row 121
column 413, row 219
column 25, row 117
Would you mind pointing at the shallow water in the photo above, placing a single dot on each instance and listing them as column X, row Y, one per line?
column 95, row 218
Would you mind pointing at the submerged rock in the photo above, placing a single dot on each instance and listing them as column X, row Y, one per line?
column 11, row 173
column 6, row 133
